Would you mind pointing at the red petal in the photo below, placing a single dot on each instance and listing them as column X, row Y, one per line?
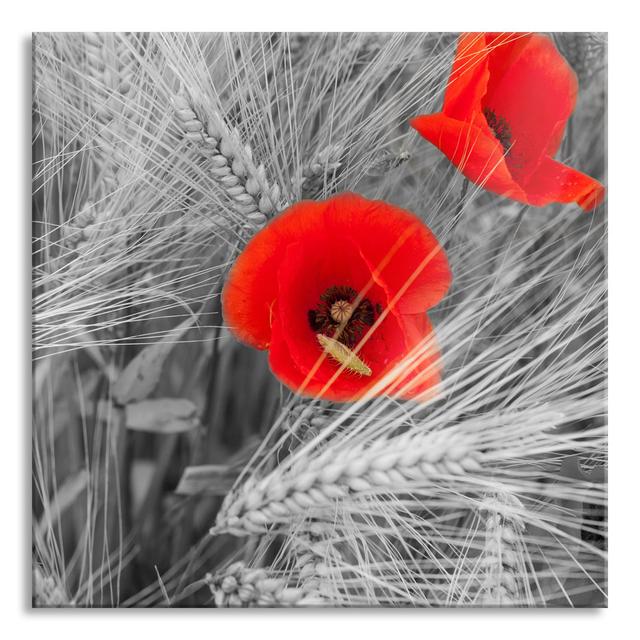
column 299, row 381
column 307, row 271
column 287, row 371
column 401, row 252
column 478, row 156
column 533, row 88
column 504, row 48
column 468, row 80
column 284, row 367
column 369, row 246
column 251, row 287
column 422, row 377
column 553, row 181
column 295, row 355
column 419, row 382
column 319, row 383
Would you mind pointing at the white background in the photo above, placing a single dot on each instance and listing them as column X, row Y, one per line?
column 21, row 18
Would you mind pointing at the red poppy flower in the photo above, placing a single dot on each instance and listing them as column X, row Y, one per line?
column 505, row 110
column 337, row 292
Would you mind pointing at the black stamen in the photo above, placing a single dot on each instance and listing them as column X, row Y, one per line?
column 363, row 316
column 500, row 128
column 313, row 320
column 366, row 312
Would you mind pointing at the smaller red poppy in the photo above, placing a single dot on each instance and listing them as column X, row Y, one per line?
column 505, row 111
column 337, row 291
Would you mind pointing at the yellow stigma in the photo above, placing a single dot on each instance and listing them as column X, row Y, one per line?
column 341, row 311
column 343, row 355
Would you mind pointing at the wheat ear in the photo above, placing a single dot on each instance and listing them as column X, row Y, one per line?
column 92, row 224
column 501, row 558
column 386, row 464
column 386, row 161
column 47, row 592
column 321, row 172
column 110, row 70
column 230, row 164
column 313, row 553
column 305, row 420
column 241, row 586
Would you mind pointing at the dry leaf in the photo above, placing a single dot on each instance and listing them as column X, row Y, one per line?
column 207, row 479
column 140, row 377
column 216, row 479
column 163, row 415
column 141, row 476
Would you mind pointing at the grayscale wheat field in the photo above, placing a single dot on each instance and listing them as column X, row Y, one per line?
column 171, row 468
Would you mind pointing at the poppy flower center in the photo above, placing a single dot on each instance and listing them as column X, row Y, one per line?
column 500, row 127
column 336, row 312
column 341, row 311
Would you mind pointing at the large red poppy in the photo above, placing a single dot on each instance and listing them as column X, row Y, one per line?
column 337, row 291
column 505, row 110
